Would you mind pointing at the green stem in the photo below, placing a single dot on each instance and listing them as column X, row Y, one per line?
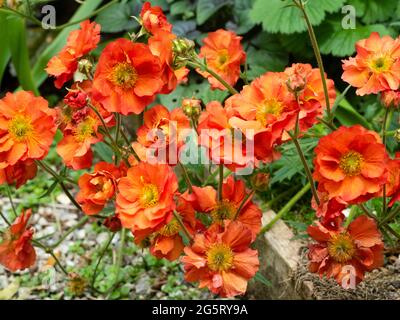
column 50, row 252
column 11, row 200
column 102, row 253
column 5, row 219
column 185, row 230
column 70, row 230
column 199, row 64
column 186, row 176
column 286, row 208
column 118, row 262
column 384, row 128
column 390, row 216
column 250, row 194
column 317, row 54
column 352, row 214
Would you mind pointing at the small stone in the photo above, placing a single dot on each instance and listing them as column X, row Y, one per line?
column 63, row 199
column 143, row 285
column 102, row 237
column 43, row 222
column 80, row 234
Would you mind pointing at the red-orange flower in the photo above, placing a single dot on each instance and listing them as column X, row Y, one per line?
column 393, row 184
column 346, row 253
column 376, row 67
column 234, row 196
column 224, row 54
column 16, row 250
column 329, row 211
column 127, row 77
column 153, row 19
column 145, row 197
column 79, row 43
column 19, row 173
column 391, row 99
column 162, row 133
column 222, row 260
column 351, row 163
column 97, row 188
column 27, row 128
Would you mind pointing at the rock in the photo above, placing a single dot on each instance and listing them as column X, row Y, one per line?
column 43, row 222
column 143, row 285
column 63, row 199
column 102, row 237
column 68, row 217
column 81, row 234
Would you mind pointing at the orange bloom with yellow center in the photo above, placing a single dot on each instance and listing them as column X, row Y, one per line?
column 79, row 43
column 224, row 54
column 97, row 188
column 351, row 163
column 346, row 253
column 27, row 128
column 16, row 250
column 127, row 77
column 235, row 204
column 19, row 173
column 222, row 260
column 162, row 131
column 376, row 67
column 145, row 197
column 153, row 19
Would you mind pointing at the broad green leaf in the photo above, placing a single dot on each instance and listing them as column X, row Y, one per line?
column 4, row 49
column 261, row 61
column 378, row 10
column 241, row 17
column 206, row 8
column 16, row 35
column 105, row 153
column 335, row 40
column 348, row 116
column 117, row 18
column 281, row 16
column 39, row 74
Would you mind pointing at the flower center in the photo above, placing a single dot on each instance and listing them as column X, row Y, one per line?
column 85, row 129
column 124, row 75
column 268, row 107
column 171, row 228
column 20, row 127
column 351, row 163
column 381, row 63
column 223, row 57
column 341, row 248
column 219, row 257
column 149, row 195
column 222, row 211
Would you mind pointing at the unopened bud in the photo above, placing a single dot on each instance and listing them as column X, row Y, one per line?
column 113, row 224
column 191, row 108
column 397, row 135
column 390, row 99
column 85, row 66
column 76, row 99
column 183, row 50
column 260, row 181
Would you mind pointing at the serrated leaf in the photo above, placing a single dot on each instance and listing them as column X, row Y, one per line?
column 280, row 16
column 117, row 18
column 378, row 10
column 206, row 8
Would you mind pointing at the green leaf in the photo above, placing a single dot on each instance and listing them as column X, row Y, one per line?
column 49, row 190
column 261, row 61
column 378, row 10
column 348, row 116
column 39, row 74
column 4, row 49
column 104, row 152
column 335, row 40
column 206, row 8
column 16, row 34
column 117, row 18
column 281, row 16
column 260, row 278
column 241, row 16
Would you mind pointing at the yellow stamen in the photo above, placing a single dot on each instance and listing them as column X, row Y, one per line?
column 20, row 127
column 219, row 257
column 381, row 63
column 341, row 248
column 268, row 107
column 351, row 163
column 149, row 195
column 223, row 58
column 170, row 229
column 222, row 211
column 123, row 75
column 85, row 129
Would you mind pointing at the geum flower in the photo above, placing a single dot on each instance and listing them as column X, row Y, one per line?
column 98, row 187
column 16, row 250
column 351, row 163
column 145, row 197
column 162, row 134
column 153, row 19
column 223, row 143
column 224, row 54
column 18, row 173
column 27, row 128
column 346, row 253
column 127, row 77
column 376, row 67
column 329, row 211
column 393, row 184
column 232, row 205
column 222, row 260
column 79, row 43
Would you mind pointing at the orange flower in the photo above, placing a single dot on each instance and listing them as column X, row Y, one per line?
column 97, row 188
column 234, row 195
column 391, row 99
column 16, row 250
column 19, row 173
column 329, row 211
column 224, row 54
column 127, row 77
column 351, row 163
column 162, row 132
column 224, row 145
column 346, row 252
column 305, row 81
column 153, row 19
column 27, row 128
column 393, row 185
column 145, row 197
column 222, row 260
column 161, row 46
column 376, row 67
column 79, row 43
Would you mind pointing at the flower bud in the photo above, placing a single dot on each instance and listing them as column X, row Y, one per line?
column 183, row 49
column 85, row 66
column 113, row 224
column 390, row 99
column 191, row 108
column 397, row 135
column 76, row 99
column 296, row 78
column 260, row 181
